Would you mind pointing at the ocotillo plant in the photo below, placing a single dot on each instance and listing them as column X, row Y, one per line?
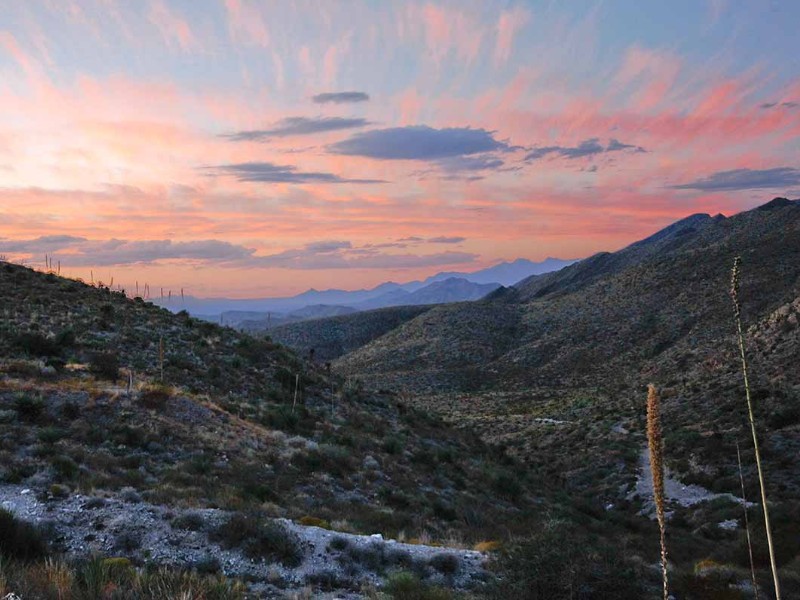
column 737, row 311
column 655, row 443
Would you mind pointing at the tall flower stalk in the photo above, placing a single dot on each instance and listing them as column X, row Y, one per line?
column 735, row 274
column 655, row 443
column 747, row 523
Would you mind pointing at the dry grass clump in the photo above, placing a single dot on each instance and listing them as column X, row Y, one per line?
column 110, row 578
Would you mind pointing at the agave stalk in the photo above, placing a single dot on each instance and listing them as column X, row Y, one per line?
column 161, row 356
column 655, row 443
column 747, row 523
column 737, row 262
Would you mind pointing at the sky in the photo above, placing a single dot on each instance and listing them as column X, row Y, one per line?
column 240, row 148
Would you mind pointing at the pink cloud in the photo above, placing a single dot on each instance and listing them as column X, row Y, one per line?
column 246, row 23
column 175, row 31
column 508, row 25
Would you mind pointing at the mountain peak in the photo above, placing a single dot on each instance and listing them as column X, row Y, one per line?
column 778, row 202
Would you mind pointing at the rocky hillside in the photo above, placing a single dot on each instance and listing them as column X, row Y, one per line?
column 115, row 398
column 610, row 316
column 555, row 369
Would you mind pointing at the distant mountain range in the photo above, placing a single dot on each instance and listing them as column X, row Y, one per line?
column 437, row 289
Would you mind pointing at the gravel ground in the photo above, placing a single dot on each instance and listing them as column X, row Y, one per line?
column 674, row 490
column 123, row 525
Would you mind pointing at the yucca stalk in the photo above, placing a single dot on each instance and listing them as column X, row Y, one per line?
column 747, row 523
column 735, row 274
column 161, row 356
column 655, row 443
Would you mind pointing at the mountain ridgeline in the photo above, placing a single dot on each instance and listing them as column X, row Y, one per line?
column 609, row 317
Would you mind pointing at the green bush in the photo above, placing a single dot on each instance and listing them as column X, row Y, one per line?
column 191, row 521
column 446, row 564
column 561, row 561
column 259, row 538
column 36, row 344
column 29, row 407
column 19, row 539
column 407, row 586
column 105, row 365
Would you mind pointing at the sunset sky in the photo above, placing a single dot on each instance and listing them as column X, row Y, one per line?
column 246, row 148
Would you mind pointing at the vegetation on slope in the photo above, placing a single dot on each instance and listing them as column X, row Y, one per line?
column 562, row 388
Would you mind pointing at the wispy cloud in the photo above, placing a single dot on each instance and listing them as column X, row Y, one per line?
column 340, row 97
column 294, row 126
column 590, row 147
column 419, row 142
column 78, row 251
column 443, row 239
column 327, row 254
column 745, row 179
column 790, row 104
column 266, row 172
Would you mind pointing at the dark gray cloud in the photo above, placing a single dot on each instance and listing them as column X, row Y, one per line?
column 443, row 239
column 419, row 142
column 745, row 179
column 767, row 105
column 340, row 97
column 333, row 254
column 265, row 172
column 81, row 252
column 42, row 244
column 342, row 255
column 294, row 126
column 484, row 162
column 590, row 147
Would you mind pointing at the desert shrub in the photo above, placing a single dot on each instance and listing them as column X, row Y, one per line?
column 59, row 491
column 561, row 561
column 446, row 564
column 128, row 541
column 29, row 407
column 155, row 396
column 71, row 411
column 105, row 365
column 19, row 539
column 64, row 467
column 36, row 344
column 65, row 338
column 376, row 557
column 393, row 444
column 506, row 484
column 310, row 521
column 328, row 581
column 710, row 584
column 130, row 495
column 407, row 586
column 207, row 565
column 191, row 521
column 282, row 417
column 444, row 510
column 259, row 538
column 339, row 543
column 785, row 416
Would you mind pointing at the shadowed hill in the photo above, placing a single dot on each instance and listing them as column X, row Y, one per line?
column 332, row 337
